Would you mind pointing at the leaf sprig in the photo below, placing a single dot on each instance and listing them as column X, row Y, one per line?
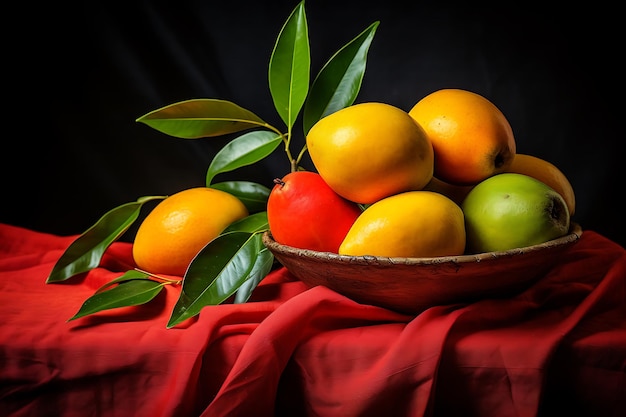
column 233, row 263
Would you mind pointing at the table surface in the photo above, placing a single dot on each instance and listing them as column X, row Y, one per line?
column 559, row 346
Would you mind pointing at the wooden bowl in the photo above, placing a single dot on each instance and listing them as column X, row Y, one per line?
column 411, row 285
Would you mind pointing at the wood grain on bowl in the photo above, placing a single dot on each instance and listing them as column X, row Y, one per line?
column 411, row 285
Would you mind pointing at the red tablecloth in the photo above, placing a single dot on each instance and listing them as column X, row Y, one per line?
column 559, row 347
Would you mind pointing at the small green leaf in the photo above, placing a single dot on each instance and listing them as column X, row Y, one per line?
column 254, row 196
column 128, row 275
column 86, row 251
column 130, row 292
column 339, row 81
column 289, row 67
column 262, row 266
column 254, row 223
column 243, row 150
column 199, row 118
column 216, row 272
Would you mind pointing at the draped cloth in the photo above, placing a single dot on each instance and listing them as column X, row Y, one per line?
column 557, row 346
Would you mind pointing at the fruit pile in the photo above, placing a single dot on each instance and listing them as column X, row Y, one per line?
column 443, row 179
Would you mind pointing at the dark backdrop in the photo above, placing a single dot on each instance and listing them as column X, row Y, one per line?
column 79, row 76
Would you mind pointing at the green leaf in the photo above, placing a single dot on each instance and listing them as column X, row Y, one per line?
column 130, row 292
column 289, row 67
column 262, row 266
column 128, row 275
column 254, row 196
column 254, row 223
column 199, row 118
column 86, row 251
column 339, row 81
column 243, row 150
column 216, row 272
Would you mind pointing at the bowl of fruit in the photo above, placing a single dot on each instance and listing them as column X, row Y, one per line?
column 445, row 211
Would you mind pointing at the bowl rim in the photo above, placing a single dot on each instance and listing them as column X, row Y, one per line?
column 572, row 236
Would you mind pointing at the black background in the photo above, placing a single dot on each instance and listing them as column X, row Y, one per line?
column 77, row 78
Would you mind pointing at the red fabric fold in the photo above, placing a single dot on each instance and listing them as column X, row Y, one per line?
column 557, row 347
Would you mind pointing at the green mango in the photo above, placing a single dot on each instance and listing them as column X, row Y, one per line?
column 511, row 210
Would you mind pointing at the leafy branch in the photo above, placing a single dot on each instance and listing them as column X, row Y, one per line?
column 232, row 264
